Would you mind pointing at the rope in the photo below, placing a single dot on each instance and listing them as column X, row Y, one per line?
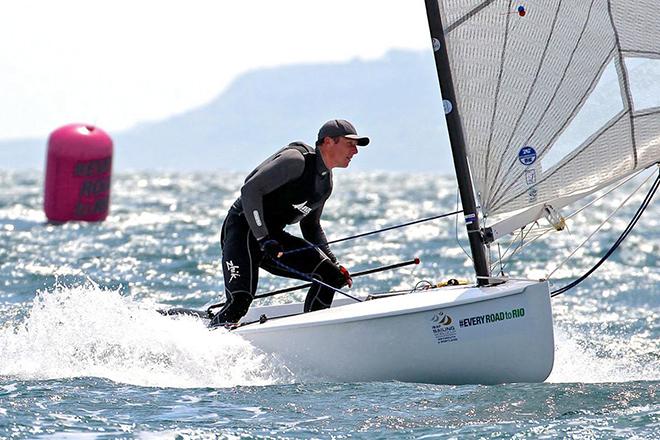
column 308, row 277
column 620, row 240
column 364, row 234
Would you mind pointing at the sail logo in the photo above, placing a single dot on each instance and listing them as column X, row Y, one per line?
column 532, row 194
column 303, row 208
column 442, row 328
column 527, row 156
column 530, row 176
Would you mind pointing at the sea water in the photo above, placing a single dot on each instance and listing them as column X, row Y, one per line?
column 84, row 354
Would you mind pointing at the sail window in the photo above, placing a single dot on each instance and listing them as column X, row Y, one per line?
column 604, row 103
column 644, row 77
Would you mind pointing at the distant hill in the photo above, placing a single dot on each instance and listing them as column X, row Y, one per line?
column 395, row 100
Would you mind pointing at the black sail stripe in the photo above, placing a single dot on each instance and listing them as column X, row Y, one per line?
column 626, row 84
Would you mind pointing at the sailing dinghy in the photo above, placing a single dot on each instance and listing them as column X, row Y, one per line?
column 452, row 335
column 516, row 80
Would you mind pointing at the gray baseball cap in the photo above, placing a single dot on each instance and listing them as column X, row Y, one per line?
column 341, row 127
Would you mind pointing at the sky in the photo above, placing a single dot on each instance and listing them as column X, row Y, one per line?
column 117, row 63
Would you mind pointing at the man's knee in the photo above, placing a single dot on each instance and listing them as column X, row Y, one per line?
column 331, row 274
column 319, row 296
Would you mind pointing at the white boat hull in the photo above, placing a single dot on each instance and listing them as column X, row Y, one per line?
column 452, row 335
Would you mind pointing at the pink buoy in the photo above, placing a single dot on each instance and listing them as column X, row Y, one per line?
column 78, row 170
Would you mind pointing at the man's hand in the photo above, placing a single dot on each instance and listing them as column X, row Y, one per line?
column 347, row 275
column 271, row 247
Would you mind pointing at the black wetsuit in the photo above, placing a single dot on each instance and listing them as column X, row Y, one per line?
column 289, row 187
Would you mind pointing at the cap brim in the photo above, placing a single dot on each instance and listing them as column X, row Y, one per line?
column 362, row 141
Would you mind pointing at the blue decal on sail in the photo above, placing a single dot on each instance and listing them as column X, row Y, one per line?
column 527, row 155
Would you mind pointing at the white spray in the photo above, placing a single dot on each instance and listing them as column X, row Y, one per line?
column 88, row 331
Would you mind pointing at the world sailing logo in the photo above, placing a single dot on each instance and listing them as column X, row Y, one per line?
column 441, row 319
column 442, row 328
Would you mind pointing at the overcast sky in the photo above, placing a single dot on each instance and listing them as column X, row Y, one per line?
column 117, row 63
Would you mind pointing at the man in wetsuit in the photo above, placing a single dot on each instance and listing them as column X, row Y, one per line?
column 289, row 187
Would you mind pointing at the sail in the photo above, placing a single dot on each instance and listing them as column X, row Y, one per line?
column 523, row 73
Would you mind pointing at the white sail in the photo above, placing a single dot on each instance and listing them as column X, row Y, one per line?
column 523, row 72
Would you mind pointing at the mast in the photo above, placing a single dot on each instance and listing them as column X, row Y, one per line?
column 457, row 142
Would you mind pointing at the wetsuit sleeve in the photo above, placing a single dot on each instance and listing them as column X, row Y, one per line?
column 311, row 229
column 285, row 167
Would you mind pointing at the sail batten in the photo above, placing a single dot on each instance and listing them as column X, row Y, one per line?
column 642, row 54
column 527, row 77
column 625, row 83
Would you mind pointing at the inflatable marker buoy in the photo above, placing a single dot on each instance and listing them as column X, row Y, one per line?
column 78, row 171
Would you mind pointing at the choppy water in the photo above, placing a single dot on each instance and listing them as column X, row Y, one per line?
column 83, row 354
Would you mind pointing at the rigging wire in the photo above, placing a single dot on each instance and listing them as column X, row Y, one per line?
column 456, row 227
column 523, row 235
column 311, row 279
column 597, row 229
column 622, row 237
column 364, row 234
column 421, row 285
column 499, row 251
column 520, row 243
column 546, row 230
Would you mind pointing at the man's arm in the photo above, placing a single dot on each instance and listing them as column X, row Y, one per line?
column 311, row 229
column 285, row 167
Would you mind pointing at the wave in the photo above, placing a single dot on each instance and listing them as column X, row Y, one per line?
column 89, row 331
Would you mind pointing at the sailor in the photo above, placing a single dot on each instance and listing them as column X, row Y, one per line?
column 289, row 187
